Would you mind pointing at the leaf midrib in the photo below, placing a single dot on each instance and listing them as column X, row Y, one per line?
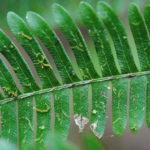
column 72, row 85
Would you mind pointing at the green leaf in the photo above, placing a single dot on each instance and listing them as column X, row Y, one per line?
column 76, row 41
column 6, row 81
column 140, row 35
column 147, row 22
column 99, row 102
column 30, row 44
column 147, row 17
column 62, row 113
column 80, row 103
column 54, row 46
column 25, row 122
column 148, row 102
column 119, row 37
column 12, row 54
column 43, row 119
column 119, row 105
column 137, row 102
column 98, row 35
column 9, row 122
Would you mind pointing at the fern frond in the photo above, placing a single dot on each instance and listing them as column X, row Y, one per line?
column 27, row 115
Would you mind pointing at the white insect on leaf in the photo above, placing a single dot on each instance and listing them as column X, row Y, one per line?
column 80, row 121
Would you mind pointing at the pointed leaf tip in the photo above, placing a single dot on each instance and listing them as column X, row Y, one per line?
column 83, row 6
column 104, row 4
column 58, row 12
column 30, row 13
column 58, row 9
column 56, row 6
column 133, row 6
column 103, row 9
column 84, row 3
column 12, row 19
column 11, row 14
